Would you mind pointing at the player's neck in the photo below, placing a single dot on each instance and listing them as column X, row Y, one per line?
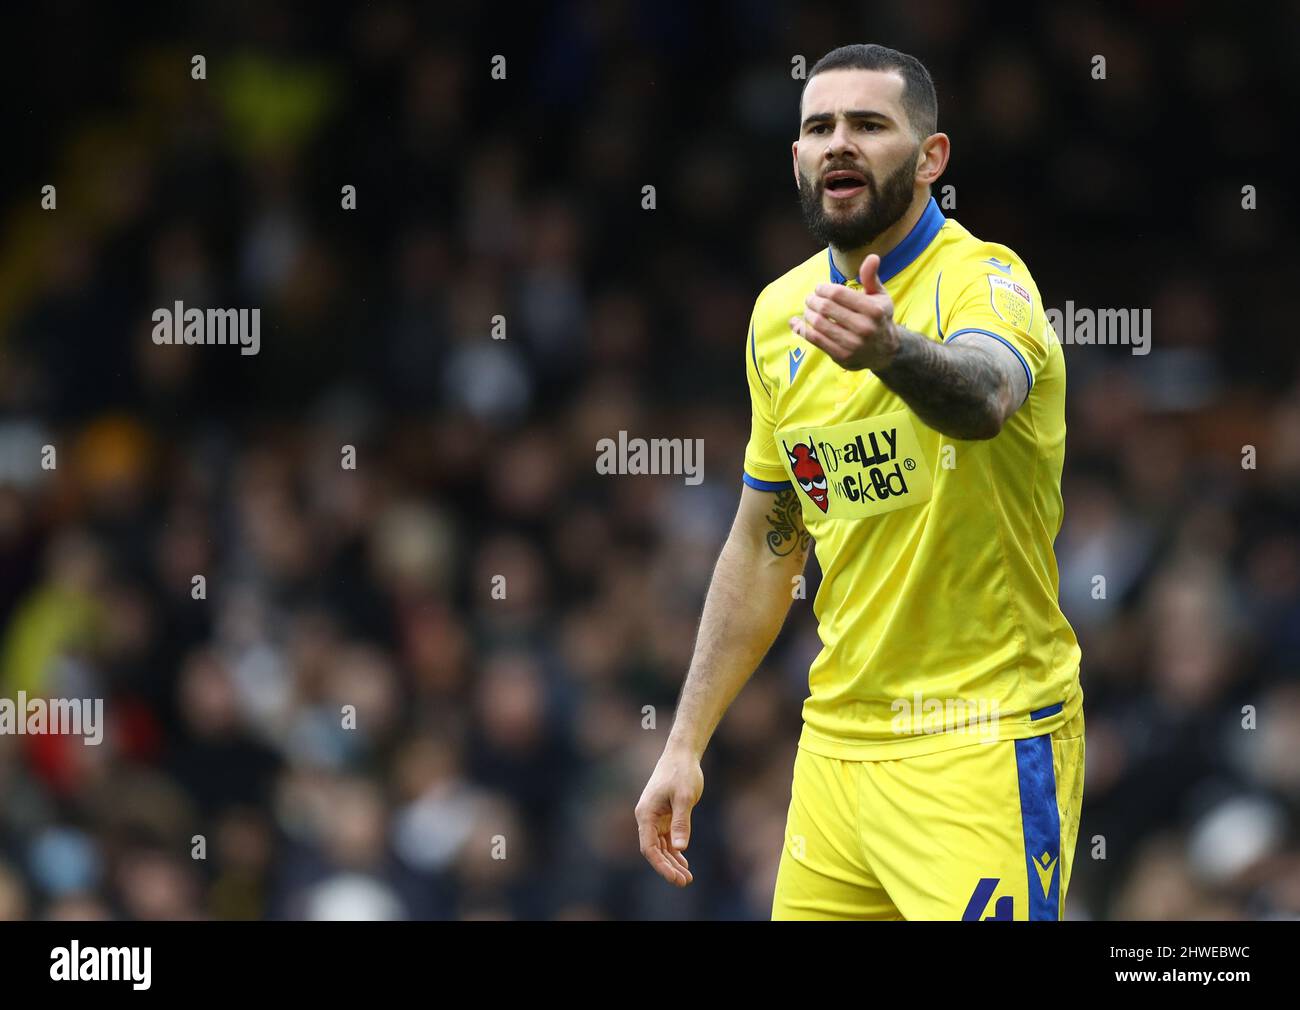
column 849, row 261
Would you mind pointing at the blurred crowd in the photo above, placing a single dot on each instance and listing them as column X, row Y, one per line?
column 510, row 628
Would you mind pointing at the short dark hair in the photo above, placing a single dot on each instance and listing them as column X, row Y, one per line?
column 919, row 99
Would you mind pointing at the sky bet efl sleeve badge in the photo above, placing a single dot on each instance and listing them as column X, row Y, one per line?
column 1011, row 301
column 857, row 469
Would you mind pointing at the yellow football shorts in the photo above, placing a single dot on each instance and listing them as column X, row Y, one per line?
column 984, row 831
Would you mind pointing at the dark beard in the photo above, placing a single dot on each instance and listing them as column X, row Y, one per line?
column 885, row 206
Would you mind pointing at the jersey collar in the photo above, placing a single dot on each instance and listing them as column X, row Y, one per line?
column 901, row 256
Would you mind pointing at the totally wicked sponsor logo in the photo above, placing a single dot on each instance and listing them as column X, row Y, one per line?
column 860, row 468
column 871, row 464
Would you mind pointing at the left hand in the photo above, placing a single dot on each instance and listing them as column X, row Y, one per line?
column 856, row 328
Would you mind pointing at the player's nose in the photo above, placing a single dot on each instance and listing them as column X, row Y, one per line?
column 841, row 140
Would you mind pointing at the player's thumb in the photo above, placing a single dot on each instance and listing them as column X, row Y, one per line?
column 680, row 832
column 867, row 275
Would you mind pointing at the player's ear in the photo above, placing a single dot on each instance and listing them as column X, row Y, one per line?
column 932, row 158
column 794, row 162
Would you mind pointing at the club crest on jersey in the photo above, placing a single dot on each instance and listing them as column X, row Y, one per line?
column 808, row 472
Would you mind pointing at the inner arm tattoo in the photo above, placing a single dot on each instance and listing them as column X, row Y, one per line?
column 961, row 391
column 787, row 533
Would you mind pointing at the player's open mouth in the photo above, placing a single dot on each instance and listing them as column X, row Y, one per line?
column 843, row 184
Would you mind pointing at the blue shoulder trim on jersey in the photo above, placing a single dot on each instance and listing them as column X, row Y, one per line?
column 901, row 256
column 753, row 353
column 1041, row 825
column 764, row 485
column 836, row 276
column 922, row 234
column 1002, row 340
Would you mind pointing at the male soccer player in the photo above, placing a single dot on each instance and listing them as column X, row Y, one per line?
column 908, row 403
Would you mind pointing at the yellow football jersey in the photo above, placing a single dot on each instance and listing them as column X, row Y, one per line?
column 938, row 610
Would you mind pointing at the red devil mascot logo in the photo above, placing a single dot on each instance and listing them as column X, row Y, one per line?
column 808, row 472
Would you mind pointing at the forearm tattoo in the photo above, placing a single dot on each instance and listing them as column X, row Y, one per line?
column 787, row 533
column 959, row 391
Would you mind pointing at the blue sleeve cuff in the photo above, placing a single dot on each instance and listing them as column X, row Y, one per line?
column 764, row 485
column 1029, row 376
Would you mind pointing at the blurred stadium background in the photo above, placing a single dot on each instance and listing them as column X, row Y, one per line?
column 475, row 197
